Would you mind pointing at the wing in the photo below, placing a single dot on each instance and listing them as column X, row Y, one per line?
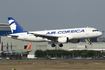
column 13, row 36
column 50, row 37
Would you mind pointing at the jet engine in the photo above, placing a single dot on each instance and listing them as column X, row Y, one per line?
column 63, row 39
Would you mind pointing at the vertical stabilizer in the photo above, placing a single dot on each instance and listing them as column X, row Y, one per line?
column 7, row 47
column 15, row 27
column 2, row 46
column 11, row 45
column 29, row 46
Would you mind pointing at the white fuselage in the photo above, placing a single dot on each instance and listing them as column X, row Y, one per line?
column 75, row 33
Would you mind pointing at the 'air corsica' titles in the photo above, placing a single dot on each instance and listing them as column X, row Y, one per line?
column 66, row 31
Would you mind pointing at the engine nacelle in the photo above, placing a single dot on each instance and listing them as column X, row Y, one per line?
column 63, row 39
column 74, row 41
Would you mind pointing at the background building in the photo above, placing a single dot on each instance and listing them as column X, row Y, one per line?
column 4, row 29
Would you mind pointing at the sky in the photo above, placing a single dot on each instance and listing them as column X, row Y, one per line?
column 35, row 15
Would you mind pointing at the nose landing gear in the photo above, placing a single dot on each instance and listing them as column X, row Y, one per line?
column 89, row 43
column 87, row 40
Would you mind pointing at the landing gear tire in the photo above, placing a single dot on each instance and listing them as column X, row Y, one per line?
column 89, row 43
column 53, row 45
column 60, row 45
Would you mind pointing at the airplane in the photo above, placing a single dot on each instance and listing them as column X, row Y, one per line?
column 28, row 49
column 60, row 36
column 1, row 47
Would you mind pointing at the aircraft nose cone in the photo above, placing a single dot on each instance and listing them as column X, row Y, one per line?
column 100, row 33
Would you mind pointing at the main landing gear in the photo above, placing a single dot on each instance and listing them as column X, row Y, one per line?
column 60, row 45
column 53, row 45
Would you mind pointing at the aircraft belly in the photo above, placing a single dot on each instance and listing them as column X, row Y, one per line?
column 33, row 38
column 77, row 36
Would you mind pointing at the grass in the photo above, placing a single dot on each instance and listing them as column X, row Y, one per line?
column 53, row 65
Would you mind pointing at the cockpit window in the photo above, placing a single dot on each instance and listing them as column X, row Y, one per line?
column 95, row 30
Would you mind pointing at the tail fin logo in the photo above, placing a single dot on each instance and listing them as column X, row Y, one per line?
column 12, row 25
column 10, row 21
column 29, row 46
